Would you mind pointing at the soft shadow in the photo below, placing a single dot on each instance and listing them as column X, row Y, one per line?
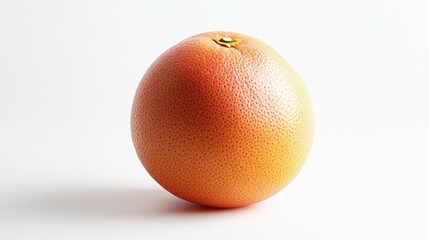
column 112, row 203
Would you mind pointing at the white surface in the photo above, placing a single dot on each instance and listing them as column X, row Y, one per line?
column 68, row 72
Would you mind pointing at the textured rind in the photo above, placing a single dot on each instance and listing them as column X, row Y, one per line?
column 222, row 127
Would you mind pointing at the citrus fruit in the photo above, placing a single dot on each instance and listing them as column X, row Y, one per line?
column 222, row 120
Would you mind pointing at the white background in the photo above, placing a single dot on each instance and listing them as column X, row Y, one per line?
column 68, row 72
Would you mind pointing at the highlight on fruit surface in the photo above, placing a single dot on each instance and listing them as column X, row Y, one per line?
column 222, row 120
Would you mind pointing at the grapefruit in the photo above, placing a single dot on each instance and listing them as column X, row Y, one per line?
column 222, row 120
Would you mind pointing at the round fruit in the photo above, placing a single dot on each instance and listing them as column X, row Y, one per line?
column 222, row 120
